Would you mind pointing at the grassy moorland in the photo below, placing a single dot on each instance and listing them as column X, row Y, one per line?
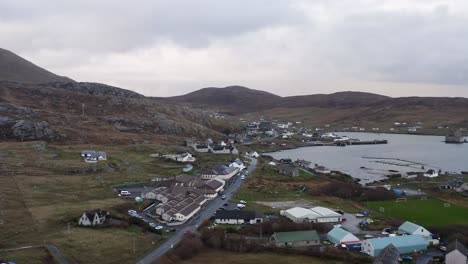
column 45, row 186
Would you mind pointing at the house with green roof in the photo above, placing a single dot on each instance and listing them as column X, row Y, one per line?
column 295, row 238
column 410, row 228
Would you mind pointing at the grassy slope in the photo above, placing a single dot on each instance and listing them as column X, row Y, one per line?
column 31, row 256
column 42, row 190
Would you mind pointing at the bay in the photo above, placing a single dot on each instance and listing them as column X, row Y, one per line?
column 402, row 154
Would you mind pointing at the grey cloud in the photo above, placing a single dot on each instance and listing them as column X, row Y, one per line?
column 171, row 47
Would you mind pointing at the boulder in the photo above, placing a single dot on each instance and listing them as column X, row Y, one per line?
column 30, row 130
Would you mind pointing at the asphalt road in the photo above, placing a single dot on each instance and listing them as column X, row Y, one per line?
column 205, row 214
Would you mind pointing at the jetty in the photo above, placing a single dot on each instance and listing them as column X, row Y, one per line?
column 365, row 142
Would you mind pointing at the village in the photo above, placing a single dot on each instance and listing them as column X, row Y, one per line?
column 189, row 204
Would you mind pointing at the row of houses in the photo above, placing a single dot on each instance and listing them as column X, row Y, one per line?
column 224, row 172
column 182, row 197
column 179, row 157
column 210, row 147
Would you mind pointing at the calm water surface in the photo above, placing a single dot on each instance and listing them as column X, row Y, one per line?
column 403, row 153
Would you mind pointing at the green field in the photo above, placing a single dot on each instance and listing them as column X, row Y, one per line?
column 430, row 212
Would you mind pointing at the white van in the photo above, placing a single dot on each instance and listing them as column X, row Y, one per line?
column 125, row 193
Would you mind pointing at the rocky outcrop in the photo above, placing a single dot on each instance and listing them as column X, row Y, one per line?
column 23, row 123
column 30, row 130
column 92, row 89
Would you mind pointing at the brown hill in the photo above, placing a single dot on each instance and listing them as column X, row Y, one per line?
column 342, row 108
column 233, row 99
column 238, row 99
column 15, row 68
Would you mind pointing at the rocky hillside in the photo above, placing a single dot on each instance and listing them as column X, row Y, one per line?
column 15, row 68
column 45, row 112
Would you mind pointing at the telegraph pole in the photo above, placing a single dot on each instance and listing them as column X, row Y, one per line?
column 69, row 231
column 82, row 109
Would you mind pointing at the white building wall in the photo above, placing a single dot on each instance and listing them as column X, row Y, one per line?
column 422, row 231
column 455, row 257
column 366, row 248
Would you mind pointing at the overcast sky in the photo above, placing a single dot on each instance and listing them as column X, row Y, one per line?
column 163, row 48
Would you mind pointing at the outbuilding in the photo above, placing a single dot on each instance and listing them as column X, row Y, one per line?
column 296, row 238
column 404, row 244
column 237, row 217
column 316, row 214
column 410, row 228
column 340, row 236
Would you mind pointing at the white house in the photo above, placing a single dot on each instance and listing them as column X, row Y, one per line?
column 150, row 195
column 93, row 218
column 254, row 154
column 237, row 217
column 237, row 164
column 413, row 229
column 220, row 172
column 456, row 253
column 431, row 173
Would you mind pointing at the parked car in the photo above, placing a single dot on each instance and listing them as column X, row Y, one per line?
column 443, row 248
column 337, row 225
column 368, row 236
column 152, row 225
column 125, row 193
column 407, row 258
column 242, row 202
column 359, row 215
column 226, row 204
column 242, row 177
column 341, row 212
column 158, row 227
column 240, row 205
column 132, row 212
column 343, row 219
column 223, row 197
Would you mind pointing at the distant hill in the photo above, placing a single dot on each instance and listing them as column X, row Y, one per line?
column 14, row 68
column 231, row 98
column 341, row 109
column 238, row 99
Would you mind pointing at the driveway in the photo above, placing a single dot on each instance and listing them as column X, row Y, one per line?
column 193, row 224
